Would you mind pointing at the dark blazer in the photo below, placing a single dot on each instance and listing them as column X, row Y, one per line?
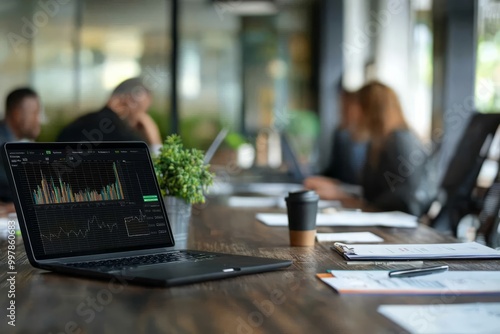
column 396, row 180
column 103, row 125
column 347, row 158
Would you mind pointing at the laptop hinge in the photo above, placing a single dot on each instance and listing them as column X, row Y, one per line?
column 107, row 256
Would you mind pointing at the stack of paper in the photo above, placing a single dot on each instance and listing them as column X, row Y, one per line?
column 348, row 218
column 349, row 237
column 443, row 318
column 379, row 282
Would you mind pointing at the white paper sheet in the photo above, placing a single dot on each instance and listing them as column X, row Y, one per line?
column 442, row 318
column 350, row 237
column 253, row 202
column 4, row 227
column 322, row 204
column 348, row 218
column 379, row 282
column 271, row 202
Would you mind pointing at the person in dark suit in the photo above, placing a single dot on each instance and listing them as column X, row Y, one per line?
column 394, row 170
column 348, row 155
column 124, row 118
column 21, row 122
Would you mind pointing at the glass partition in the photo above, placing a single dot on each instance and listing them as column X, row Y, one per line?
column 75, row 52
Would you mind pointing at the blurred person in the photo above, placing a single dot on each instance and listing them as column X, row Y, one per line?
column 348, row 155
column 21, row 122
column 395, row 162
column 124, row 118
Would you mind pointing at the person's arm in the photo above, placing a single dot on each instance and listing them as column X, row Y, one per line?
column 327, row 188
column 147, row 128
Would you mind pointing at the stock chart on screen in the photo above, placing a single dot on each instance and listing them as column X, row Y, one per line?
column 56, row 192
column 89, row 203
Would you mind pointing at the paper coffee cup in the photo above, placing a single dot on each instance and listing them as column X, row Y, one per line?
column 302, row 208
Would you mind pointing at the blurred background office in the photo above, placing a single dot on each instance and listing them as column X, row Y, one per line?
column 239, row 64
column 259, row 66
column 246, row 64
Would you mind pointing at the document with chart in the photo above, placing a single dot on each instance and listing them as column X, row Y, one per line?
column 444, row 318
column 379, row 282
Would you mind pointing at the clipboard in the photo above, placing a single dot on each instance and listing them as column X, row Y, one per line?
column 468, row 250
column 343, row 249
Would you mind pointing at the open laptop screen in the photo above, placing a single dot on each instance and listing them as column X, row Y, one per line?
column 82, row 199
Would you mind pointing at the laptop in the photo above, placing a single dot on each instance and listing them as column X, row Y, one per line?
column 95, row 210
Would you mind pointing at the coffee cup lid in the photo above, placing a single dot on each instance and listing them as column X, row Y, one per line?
column 302, row 196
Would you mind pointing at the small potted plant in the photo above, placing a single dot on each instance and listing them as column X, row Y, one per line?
column 183, row 178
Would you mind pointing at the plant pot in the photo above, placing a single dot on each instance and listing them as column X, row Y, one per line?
column 179, row 214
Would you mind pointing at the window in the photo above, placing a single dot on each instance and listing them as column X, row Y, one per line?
column 488, row 62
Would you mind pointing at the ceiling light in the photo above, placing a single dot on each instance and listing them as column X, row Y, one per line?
column 248, row 7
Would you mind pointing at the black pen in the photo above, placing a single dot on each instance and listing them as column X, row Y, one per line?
column 412, row 272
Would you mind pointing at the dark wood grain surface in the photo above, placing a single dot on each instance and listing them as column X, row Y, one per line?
column 285, row 301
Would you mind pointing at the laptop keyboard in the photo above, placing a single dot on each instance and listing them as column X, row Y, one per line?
column 175, row 256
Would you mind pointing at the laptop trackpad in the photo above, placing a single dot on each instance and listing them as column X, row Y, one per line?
column 179, row 270
column 191, row 272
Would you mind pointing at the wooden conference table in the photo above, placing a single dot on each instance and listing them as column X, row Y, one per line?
column 292, row 300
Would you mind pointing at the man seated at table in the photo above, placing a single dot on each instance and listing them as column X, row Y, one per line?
column 124, row 118
column 21, row 122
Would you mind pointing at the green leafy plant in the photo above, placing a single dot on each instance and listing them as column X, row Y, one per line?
column 234, row 140
column 181, row 171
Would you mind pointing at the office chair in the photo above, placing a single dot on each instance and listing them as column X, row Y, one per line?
column 493, row 238
column 487, row 233
column 453, row 200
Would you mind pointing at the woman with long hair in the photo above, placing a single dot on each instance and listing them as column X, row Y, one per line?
column 395, row 161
